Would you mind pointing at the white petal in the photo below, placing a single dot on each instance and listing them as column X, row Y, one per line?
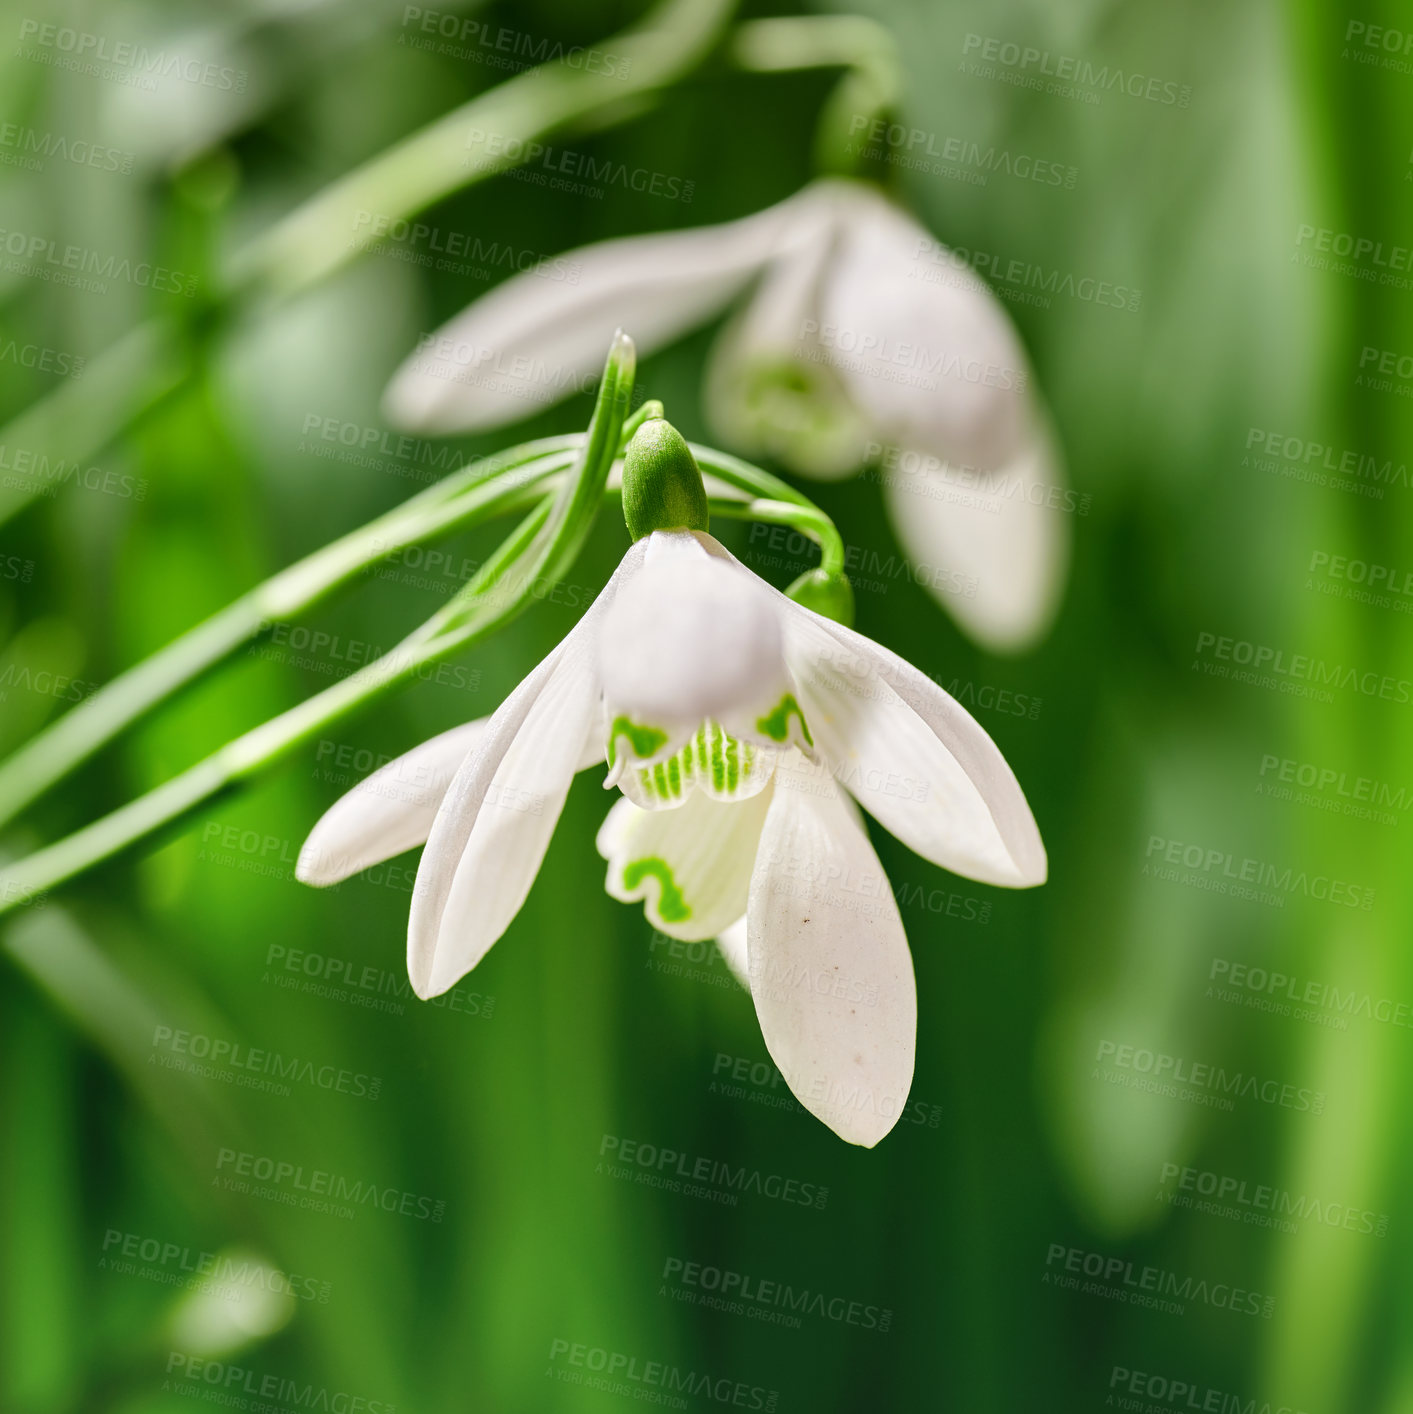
column 926, row 348
column 993, row 546
column 912, row 756
column 935, row 364
column 389, row 812
column 830, row 970
column 535, row 339
column 495, row 823
column 691, row 867
column 692, row 637
column 732, row 944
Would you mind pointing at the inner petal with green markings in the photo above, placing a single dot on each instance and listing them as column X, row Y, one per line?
column 712, row 763
column 690, row 868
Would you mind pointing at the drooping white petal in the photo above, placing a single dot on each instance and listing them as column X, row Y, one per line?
column 539, row 336
column 928, row 351
column 993, row 546
column 830, row 970
column 912, row 756
column 389, row 812
column 930, row 354
column 731, row 943
column 692, row 637
column 691, row 867
column 496, row 820
column 493, row 829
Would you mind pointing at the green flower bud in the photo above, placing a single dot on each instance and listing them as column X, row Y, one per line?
column 662, row 485
column 829, row 594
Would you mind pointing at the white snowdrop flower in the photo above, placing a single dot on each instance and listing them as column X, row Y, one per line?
column 740, row 728
column 862, row 339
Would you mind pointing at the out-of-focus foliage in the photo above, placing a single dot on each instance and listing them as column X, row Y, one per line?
column 1215, row 351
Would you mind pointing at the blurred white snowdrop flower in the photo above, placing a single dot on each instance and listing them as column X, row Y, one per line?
column 739, row 728
column 217, row 1318
column 862, row 340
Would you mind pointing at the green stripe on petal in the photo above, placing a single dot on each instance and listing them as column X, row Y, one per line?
column 688, row 869
column 776, row 723
column 713, row 762
column 642, row 740
column 671, row 906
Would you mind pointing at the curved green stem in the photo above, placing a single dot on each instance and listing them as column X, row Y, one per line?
column 247, row 756
column 485, row 489
column 745, row 477
column 319, row 237
column 649, row 410
column 544, row 544
column 494, row 132
column 546, row 540
column 872, row 82
column 574, row 511
column 810, row 521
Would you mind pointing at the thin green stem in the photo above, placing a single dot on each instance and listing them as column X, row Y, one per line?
column 649, row 410
column 546, row 540
column 810, row 521
column 574, row 512
column 494, row 486
column 493, row 133
column 241, row 760
column 745, row 477
column 872, row 82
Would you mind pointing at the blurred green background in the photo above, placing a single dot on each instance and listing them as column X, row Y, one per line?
column 151, row 1218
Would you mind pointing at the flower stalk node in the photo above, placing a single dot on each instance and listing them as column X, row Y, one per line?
column 826, row 592
column 662, row 484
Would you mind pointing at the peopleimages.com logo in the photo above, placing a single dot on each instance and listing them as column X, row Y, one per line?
column 651, row 1381
column 239, row 1387
column 696, row 1176
column 1066, row 75
column 1167, row 1072
column 296, row 1185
